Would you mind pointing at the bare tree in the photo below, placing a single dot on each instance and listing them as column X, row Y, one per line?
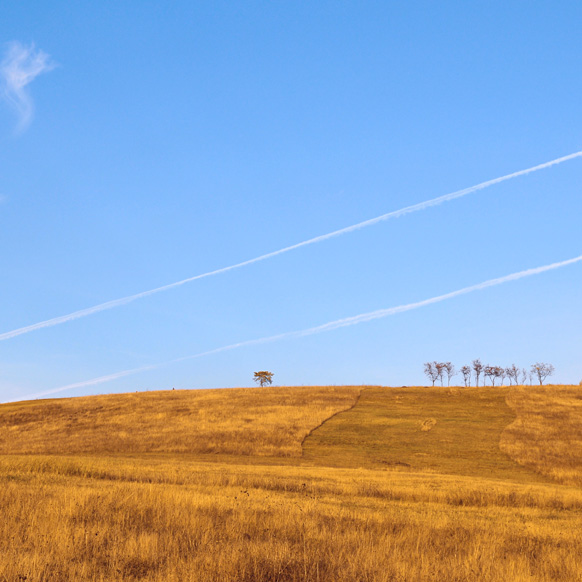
column 440, row 366
column 478, row 368
column 431, row 371
column 500, row 373
column 513, row 374
column 450, row 371
column 488, row 373
column 523, row 376
column 263, row 378
column 493, row 373
column 508, row 374
column 466, row 371
column 542, row 371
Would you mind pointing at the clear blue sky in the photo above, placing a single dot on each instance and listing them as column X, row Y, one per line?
column 173, row 138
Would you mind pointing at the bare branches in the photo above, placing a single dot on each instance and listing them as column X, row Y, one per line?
column 466, row 371
column 440, row 366
column 430, row 370
column 437, row 371
column 450, row 371
column 478, row 368
column 489, row 372
column 541, row 371
column 495, row 374
column 513, row 374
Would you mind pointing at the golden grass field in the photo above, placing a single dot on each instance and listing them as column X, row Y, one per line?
column 490, row 491
column 242, row 421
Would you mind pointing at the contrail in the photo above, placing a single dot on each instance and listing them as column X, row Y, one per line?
column 317, row 239
column 338, row 323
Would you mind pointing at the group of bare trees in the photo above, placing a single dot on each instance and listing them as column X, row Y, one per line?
column 438, row 371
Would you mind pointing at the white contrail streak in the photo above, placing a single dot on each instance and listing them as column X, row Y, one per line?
column 395, row 214
column 354, row 320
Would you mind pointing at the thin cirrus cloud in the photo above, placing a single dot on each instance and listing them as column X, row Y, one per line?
column 394, row 214
column 21, row 65
column 332, row 325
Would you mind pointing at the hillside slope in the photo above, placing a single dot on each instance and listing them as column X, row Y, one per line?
column 395, row 506
column 453, row 431
column 241, row 421
column 516, row 433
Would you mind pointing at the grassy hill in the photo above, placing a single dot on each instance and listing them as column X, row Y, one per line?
column 294, row 484
column 449, row 431
column 243, row 421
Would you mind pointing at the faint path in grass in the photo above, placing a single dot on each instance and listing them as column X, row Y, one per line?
column 453, row 431
column 362, row 388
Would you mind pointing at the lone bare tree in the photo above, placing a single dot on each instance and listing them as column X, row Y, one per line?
column 430, row 370
column 478, row 368
column 263, row 378
column 542, row 371
column 449, row 370
column 466, row 371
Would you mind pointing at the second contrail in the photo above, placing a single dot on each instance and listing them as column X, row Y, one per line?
column 338, row 323
column 394, row 214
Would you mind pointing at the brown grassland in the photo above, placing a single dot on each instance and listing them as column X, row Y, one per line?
column 242, row 421
column 400, row 484
column 547, row 433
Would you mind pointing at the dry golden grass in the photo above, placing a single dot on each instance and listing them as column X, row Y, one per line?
column 547, row 433
column 244, row 421
column 385, row 430
column 388, row 501
column 162, row 520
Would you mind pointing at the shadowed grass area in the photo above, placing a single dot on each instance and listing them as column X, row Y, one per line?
column 547, row 434
column 446, row 430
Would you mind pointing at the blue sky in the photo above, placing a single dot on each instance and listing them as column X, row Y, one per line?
column 172, row 139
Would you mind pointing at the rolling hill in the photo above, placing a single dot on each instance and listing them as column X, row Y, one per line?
column 294, row 484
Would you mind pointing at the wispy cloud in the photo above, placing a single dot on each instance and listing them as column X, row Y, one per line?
column 338, row 323
column 21, row 65
column 394, row 214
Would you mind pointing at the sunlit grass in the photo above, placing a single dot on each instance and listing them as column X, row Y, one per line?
column 218, row 521
column 243, row 421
